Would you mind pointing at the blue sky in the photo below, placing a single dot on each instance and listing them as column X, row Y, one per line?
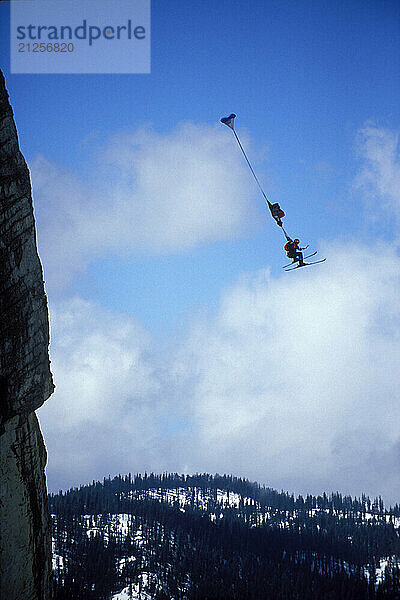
column 302, row 76
column 316, row 89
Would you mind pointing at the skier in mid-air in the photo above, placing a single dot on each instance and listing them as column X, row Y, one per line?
column 294, row 251
column 292, row 247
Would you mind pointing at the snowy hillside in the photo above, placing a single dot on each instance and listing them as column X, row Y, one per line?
column 178, row 538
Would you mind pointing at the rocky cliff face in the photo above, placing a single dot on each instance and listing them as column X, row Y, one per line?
column 25, row 381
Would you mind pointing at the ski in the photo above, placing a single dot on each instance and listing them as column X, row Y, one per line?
column 315, row 262
column 309, row 256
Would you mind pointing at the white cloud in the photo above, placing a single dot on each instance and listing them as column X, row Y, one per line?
column 380, row 175
column 294, row 383
column 107, row 401
column 150, row 193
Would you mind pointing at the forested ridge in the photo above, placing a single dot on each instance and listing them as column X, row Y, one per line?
column 216, row 537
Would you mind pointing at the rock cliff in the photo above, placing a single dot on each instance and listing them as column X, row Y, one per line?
column 25, row 381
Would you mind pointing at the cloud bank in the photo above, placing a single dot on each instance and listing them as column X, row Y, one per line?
column 105, row 405
column 294, row 383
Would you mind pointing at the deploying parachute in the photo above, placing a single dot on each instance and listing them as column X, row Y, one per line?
column 291, row 247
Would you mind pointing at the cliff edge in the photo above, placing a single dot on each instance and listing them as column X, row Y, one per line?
column 25, row 381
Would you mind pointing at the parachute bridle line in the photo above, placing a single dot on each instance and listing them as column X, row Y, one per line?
column 276, row 211
column 268, row 203
column 250, row 167
column 286, row 235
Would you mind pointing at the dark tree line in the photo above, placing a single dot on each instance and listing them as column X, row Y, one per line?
column 318, row 547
